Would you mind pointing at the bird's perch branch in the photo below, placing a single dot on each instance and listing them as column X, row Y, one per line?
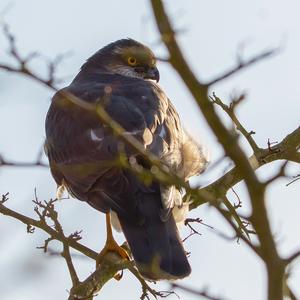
column 87, row 289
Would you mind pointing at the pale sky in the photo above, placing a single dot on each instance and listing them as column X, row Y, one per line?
column 211, row 32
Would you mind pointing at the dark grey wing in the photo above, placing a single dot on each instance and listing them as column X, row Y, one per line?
column 82, row 151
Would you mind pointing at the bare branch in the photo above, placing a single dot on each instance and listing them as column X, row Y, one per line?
column 296, row 177
column 219, row 188
column 41, row 224
column 146, row 289
column 238, row 231
column 46, row 244
column 67, row 256
column 293, row 156
column 36, row 163
column 292, row 257
column 245, row 64
column 241, row 225
column 6, row 163
column 244, row 167
column 202, row 293
column 280, row 173
column 4, row 198
column 193, row 230
column 231, row 113
column 111, row 264
column 239, row 204
column 199, row 92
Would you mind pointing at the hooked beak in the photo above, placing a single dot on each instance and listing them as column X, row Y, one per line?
column 153, row 74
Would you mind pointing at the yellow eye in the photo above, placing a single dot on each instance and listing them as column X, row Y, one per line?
column 131, row 61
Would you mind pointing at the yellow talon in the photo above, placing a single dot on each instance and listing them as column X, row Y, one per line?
column 111, row 246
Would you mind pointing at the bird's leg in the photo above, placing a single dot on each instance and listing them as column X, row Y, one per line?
column 111, row 246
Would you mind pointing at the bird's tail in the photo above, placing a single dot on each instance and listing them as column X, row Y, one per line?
column 155, row 244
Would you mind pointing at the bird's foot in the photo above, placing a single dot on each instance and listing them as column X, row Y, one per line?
column 112, row 246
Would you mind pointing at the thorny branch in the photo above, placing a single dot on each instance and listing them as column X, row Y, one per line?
column 244, row 170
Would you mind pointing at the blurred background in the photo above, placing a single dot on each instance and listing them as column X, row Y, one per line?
column 211, row 33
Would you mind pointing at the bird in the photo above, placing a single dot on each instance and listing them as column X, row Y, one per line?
column 82, row 151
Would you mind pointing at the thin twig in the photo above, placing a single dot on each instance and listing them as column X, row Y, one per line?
column 279, row 174
column 230, row 110
column 292, row 257
column 296, row 177
column 202, row 293
column 239, row 234
column 41, row 225
column 67, row 256
column 10, row 163
column 241, row 226
column 245, row 64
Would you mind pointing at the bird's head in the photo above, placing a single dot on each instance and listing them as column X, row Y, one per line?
column 126, row 57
